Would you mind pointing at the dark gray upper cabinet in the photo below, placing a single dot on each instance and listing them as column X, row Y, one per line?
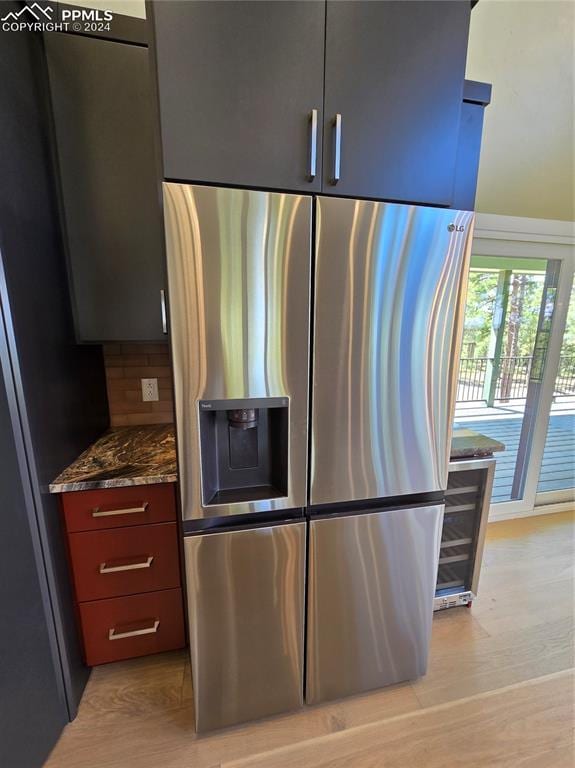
column 237, row 85
column 103, row 115
column 394, row 71
column 237, row 82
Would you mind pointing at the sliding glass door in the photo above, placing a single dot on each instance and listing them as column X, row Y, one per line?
column 557, row 476
column 512, row 368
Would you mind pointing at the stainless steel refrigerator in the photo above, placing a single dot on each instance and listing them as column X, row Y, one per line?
column 386, row 312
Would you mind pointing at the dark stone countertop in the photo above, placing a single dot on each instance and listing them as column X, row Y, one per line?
column 145, row 455
column 123, row 456
column 465, row 443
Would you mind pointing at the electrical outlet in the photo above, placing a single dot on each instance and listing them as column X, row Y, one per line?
column 149, row 390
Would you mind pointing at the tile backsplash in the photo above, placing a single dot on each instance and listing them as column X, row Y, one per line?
column 128, row 363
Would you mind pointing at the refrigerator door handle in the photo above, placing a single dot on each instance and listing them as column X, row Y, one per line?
column 336, row 149
column 163, row 311
column 312, row 145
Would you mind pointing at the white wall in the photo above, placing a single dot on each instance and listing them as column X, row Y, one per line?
column 125, row 7
column 526, row 49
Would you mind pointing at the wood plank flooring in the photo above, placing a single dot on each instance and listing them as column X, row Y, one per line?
column 525, row 721
column 499, row 692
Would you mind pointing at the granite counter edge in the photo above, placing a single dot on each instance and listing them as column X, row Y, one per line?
column 116, row 482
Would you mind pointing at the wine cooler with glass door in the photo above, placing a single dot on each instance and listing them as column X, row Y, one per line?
column 467, row 500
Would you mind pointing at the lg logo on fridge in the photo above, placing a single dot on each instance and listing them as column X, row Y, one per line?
column 455, row 228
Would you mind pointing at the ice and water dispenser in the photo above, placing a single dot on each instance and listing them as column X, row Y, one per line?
column 244, row 449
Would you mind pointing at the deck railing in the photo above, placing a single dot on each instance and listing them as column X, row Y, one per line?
column 471, row 382
column 512, row 378
column 565, row 381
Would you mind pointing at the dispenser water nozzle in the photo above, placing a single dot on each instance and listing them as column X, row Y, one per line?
column 243, row 418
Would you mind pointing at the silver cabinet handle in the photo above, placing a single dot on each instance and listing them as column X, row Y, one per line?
column 147, row 563
column 97, row 512
column 114, row 635
column 312, row 144
column 164, row 314
column 336, row 149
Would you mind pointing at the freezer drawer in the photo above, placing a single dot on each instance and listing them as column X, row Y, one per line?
column 246, row 614
column 370, row 599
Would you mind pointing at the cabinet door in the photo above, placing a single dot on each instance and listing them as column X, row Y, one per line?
column 394, row 72
column 32, row 699
column 104, row 130
column 237, row 85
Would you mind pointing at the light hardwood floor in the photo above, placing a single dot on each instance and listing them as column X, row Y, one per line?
column 499, row 692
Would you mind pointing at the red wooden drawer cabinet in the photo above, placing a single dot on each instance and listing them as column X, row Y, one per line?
column 124, row 627
column 124, row 555
column 119, row 507
column 124, row 561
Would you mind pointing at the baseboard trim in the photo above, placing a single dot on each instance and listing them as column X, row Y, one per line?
column 545, row 509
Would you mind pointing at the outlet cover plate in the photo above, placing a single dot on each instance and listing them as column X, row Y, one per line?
column 150, row 390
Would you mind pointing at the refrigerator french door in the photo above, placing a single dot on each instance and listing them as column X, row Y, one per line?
column 239, row 287
column 371, row 590
column 388, row 314
column 246, row 606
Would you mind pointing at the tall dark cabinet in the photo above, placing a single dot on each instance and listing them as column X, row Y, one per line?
column 238, row 86
column 104, row 126
column 32, row 696
column 52, row 406
column 394, row 76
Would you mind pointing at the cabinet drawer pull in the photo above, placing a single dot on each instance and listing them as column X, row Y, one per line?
column 312, row 145
column 113, row 635
column 336, row 149
column 97, row 512
column 147, row 563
